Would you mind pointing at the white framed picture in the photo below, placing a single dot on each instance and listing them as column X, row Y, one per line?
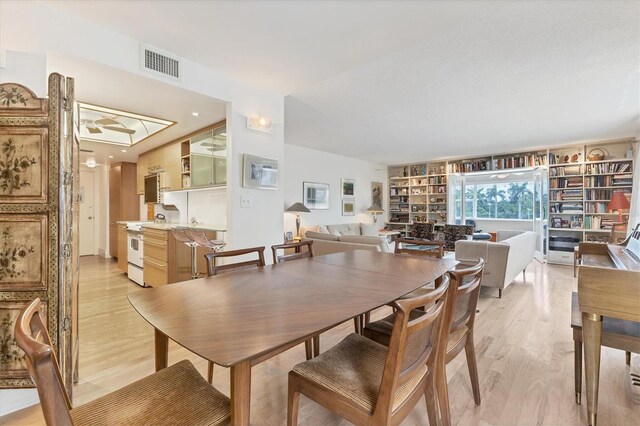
column 315, row 196
column 260, row 172
column 348, row 188
column 348, row 207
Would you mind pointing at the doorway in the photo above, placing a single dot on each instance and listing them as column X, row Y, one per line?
column 87, row 213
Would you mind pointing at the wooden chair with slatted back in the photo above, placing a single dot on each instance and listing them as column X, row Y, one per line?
column 311, row 346
column 213, row 269
column 368, row 383
column 418, row 247
column 177, row 394
column 462, row 301
column 302, row 250
column 409, row 246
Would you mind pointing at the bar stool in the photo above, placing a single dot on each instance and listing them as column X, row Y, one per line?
column 181, row 235
column 199, row 236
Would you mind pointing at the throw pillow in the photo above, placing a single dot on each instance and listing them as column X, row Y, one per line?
column 322, row 229
column 369, row 229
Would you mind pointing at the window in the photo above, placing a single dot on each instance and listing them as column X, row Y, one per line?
column 504, row 200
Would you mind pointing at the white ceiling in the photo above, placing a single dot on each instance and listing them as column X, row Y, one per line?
column 396, row 82
column 105, row 86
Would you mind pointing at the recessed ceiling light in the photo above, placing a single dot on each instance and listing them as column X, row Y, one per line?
column 91, row 163
column 195, row 114
column 111, row 156
column 124, row 150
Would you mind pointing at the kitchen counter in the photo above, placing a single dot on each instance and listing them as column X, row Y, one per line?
column 126, row 222
column 169, row 226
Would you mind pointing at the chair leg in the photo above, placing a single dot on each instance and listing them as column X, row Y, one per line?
column 308, row 349
column 499, row 293
column 367, row 319
column 210, row 372
column 442, row 393
column 524, row 274
column 470, row 351
column 430, row 399
column 577, row 369
column 293, row 403
column 627, row 357
column 316, row 345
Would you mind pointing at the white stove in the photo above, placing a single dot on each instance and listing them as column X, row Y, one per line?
column 135, row 255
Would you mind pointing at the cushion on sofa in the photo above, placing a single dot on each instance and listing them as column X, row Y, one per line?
column 369, row 229
column 337, row 228
column 348, row 233
column 321, row 236
column 362, row 239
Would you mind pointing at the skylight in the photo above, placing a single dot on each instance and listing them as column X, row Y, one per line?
column 112, row 126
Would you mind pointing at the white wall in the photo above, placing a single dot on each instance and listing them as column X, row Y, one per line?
column 28, row 69
column 309, row 165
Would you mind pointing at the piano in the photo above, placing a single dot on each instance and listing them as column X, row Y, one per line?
column 608, row 286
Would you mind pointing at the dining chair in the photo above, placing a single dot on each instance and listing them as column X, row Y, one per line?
column 213, row 269
column 302, row 250
column 368, row 383
column 412, row 246
column 459, row 320
column 311, row 346
column 453, row 233
column 174, row 395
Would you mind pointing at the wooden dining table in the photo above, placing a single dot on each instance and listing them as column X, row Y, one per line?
column 240, row 319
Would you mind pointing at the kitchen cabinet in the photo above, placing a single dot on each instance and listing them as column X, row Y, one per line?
column 172, row 168
column 141, row 171
column 209, row 158
column 123, row 202
column 166, row 260
column 123, row 248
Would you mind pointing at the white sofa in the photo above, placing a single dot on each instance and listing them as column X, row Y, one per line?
column 503, row 259
column 344, row 237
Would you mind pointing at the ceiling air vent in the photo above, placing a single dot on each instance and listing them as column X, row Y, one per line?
column 161, row 63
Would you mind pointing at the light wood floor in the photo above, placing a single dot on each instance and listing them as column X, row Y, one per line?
column 524, row 349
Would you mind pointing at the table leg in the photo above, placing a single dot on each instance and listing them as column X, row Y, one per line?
column 240, row 393
column 162, row 350
column 592, row 339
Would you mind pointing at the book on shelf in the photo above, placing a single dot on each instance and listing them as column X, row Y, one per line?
column 599, row 168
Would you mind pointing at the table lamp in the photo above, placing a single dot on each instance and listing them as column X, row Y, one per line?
column 298, row 208
column 375, row 211
column 618, row 202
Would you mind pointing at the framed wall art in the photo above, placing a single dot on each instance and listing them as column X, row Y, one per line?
column 348, row 188
column 260, row 172
column 315, row 196
column 348, row 208
column 376, row 194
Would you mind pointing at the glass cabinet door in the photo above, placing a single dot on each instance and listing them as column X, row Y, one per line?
column 209, row 158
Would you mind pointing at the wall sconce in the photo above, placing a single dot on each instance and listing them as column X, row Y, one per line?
column 91, row 162
column 260, row 124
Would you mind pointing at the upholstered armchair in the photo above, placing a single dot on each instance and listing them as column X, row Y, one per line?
column 422, row 231
column 453, row 233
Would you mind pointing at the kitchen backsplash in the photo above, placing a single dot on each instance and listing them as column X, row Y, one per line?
column 207, row 206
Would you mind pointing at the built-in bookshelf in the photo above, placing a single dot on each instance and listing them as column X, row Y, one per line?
column 417, row 193
column 581, row 181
